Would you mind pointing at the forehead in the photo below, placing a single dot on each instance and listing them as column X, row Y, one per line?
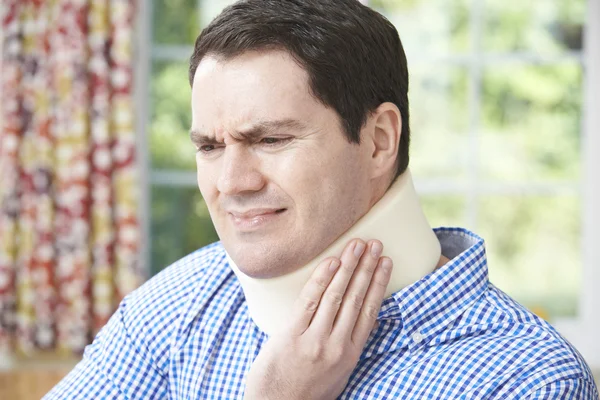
column 252, row 86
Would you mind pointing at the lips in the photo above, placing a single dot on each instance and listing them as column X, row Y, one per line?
column 252, row 220
column 255, row 212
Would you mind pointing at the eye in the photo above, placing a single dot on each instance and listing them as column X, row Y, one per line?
column 207, row 148
column 272, row 141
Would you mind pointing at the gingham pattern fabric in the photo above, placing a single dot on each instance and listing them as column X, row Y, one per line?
column 187, row 334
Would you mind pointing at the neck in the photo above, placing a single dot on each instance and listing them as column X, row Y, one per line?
column 397, row 220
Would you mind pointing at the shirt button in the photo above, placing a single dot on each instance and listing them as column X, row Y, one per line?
column 417, row 337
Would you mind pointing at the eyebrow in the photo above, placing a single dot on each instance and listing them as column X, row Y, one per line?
column 259, row 129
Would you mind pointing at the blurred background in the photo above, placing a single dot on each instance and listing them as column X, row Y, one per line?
column 504, row 142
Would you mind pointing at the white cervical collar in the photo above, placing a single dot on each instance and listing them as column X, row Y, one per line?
column 396, row 220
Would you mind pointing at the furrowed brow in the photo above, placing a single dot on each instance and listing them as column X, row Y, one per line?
column 282, row 124
column 267, row 128
column 261, row 128
column 199, row 137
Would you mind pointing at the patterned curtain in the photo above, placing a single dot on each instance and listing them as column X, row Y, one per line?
column 69, row 235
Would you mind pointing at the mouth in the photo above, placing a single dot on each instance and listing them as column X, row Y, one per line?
column 254, row 221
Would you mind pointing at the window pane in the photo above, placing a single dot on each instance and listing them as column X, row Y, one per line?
column 533, row 246
column 428, row 26
column 531, row 122
column 439, row 121
column 180, row 224
column 444, row 210
column 170, row 145
column 211, row 8
column 175, row 22
column 538, row 26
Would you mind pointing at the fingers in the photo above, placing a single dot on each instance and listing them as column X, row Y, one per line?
column 357, row 291
column 372, row 303
column 334, row 294
column 307, row 303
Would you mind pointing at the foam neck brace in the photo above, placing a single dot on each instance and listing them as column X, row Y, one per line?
column 397, row 220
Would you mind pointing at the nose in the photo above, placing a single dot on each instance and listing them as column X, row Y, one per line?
column 239, row 172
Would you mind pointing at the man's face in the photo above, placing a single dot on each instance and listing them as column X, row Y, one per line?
column 280, row 179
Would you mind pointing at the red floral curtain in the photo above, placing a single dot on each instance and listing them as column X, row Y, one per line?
column 69, row 235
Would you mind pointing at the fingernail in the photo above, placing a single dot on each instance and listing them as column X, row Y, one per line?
column 376, row 248
column 359, row 247
column 386, row 264
column 334, row 265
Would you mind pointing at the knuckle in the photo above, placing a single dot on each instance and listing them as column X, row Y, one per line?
column 335, row 298
column 356, row 300
column 348, row 267
column 381, row 279
column 371, row 312
column 309, row 305
column 337, row 354
column 381, row 283
column 315, row 352
column 320, row 282
column 370, row 266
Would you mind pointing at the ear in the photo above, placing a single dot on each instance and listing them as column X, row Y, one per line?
column 385, row 128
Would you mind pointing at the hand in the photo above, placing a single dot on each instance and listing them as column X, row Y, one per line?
column 332, row 319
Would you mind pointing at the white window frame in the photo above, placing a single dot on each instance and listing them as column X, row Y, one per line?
column 582, row 330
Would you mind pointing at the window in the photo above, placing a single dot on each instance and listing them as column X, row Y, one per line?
column 497, row 105
column 496, row 95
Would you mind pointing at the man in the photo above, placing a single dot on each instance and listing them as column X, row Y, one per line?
column 300, row 121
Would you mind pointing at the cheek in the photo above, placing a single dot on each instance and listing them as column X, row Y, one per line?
column 322, row 191
column 321, row 171
column 207, row 186
column 304, row 181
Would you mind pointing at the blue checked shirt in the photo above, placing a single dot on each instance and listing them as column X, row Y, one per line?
column 187, row 334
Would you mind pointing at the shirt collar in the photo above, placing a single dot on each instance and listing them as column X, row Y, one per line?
column 420, row 311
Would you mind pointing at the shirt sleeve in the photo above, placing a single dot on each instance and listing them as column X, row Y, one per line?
column 115, row 366
column 571, row 389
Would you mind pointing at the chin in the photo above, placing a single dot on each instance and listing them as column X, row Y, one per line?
column 259, row 268
column 260, row 263
column 258, row 272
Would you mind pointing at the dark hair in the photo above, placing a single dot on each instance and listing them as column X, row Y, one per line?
column 352, row 54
